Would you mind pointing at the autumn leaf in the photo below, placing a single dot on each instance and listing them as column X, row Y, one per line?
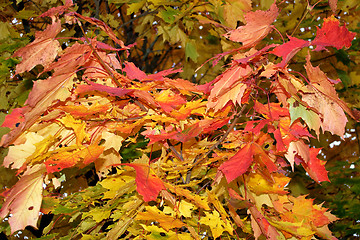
column 148, row 184
column 216, row 224
column 78, row 126
column 229, row 87
column 238, row 164
column 13, row 119
column 42, row 51
column 332, row 35
column 113, row 91
column 65, row 159
column 258, row 184
column 257, row 27
column 316, row 167
column 169, row 100
column 42, row 96
column 23, row 200
column 289, row 49
column 165, row 221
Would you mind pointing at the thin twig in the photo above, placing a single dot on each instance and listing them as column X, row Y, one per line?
column 176, row 153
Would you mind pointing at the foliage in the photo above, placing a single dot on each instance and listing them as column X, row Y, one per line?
column 113, row 142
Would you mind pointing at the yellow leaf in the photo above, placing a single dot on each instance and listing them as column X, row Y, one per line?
column 216, row 224
column 186, row 208
column 117, row 185
column 97, row 214
column 259, row 185
column 165, row 221
column 78, row 126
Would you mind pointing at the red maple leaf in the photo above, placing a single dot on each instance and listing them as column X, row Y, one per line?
column 289, row 49
column 113, row 91
column 256, row 28
column 13, row 119
column 332, row 35
column 148, row 184
column 315, row 167
column 238, row 164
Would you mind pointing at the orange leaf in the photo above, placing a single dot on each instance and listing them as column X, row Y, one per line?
column 23, row 201
column 66, row 158
column 42, row 51
column 257, row 27
column 148, row 184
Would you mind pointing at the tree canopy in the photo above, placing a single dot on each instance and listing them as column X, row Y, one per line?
column 177, row 119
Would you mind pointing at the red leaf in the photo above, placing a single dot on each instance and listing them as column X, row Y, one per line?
column 315, row 167
column 13, row 119
column 238, row 164
column 332, row 35
column 289, row 49
column 113, row 91
column 133, row 72
column 148, row 184
column 256, row 28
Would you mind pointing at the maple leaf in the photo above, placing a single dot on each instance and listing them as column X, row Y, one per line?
column 18, row 154
column 23, row 200
column 197, row 199
column 165, row 221
column 13, row 119
column 238, row 164
column 113, row 91
column 71, row 59
column 83, row 111
column 297, row 148
column 169, row 101
column 332, row 35
column 65, row 158
column 315, row 167
column 216, row 224
column 57, row 10
column 333, row 116
column 148, row 184
column 260, row 185
column 257, row 27
column 228, row 87
column 78, row 126
column 325, row 85
column 289, row 49
column 42, row 51
column 43, row 95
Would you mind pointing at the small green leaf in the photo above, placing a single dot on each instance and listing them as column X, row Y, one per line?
column 191, row 52
column 344, row 77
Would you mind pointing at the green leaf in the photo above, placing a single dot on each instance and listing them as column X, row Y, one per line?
column 297, row 110
column 169, row 14
column 191, row 52
column 25, row 14
column 344, row 77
